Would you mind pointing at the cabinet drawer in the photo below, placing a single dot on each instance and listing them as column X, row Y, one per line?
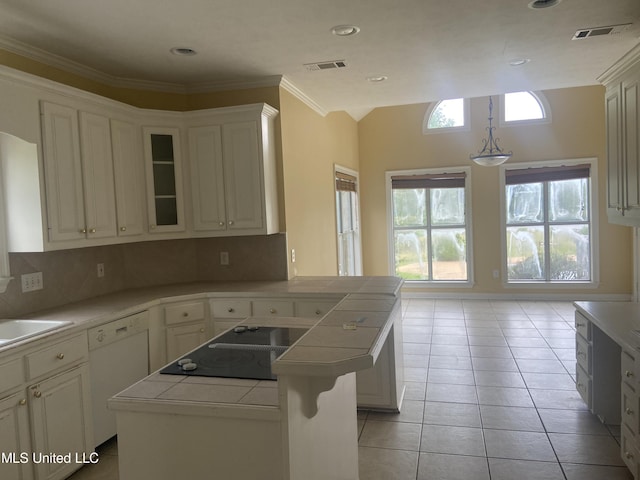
column 184, row 312
column 583, row 385
column 630, row 409
column 11, row 374
column 628, row 369
column 275, row 308
column 629, row 451
column 583, row 354
column 57, row 356
column 313, row 309
column 583, row 326
column 231, row 308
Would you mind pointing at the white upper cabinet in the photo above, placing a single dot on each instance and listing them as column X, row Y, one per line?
column 164, row 179
column 97, row 174
column 622, row 106
column 63, row 173
column 233, row 171
column 126, row 140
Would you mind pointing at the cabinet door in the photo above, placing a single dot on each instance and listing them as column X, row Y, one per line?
column 614, row 168
column 14, row 437
column 129, row 177
column 164, row 179
column 63, row 173
column 97, row 174
column 207, row 181
column 184, row 338
column 61, row 420
column 630, row 147
column 244, row 189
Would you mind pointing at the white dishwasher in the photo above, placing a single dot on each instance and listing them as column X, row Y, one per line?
column 118, row 357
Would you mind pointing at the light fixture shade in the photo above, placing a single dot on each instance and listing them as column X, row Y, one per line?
column 491, row 154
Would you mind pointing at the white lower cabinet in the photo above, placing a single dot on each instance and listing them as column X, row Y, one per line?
column 15, row 441
column 187, row 327
column 60, row 409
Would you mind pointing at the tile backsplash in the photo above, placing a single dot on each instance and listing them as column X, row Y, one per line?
column 71, row 275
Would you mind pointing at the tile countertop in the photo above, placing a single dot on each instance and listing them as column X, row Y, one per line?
column 99, row 310
column 618, row 320
column 349, row 338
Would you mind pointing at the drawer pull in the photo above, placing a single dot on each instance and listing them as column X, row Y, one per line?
column 628, row 411
column 230, row 222
column 629, row 455
column 37, row 394
column 22, row 402
column 318, row 312
column 273, row 310
column 628, row 374
column 60, row 356
column 230, row 310
column 185, row 314
column 202, row 330
column 123, row 229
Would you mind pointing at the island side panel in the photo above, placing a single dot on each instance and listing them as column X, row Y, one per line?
column 164, row 446
column 319, row 428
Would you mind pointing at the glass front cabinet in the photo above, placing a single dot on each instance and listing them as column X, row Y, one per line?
column 164, row 179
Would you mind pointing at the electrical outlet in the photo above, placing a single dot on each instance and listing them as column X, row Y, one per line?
column 224, row 258
column 31, row 282
column 496, row 274
column 100, row 270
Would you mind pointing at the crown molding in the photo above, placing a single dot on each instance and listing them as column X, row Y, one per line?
column 289, row 87
column 627, row 61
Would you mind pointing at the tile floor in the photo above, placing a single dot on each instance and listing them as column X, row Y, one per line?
column 490, row 396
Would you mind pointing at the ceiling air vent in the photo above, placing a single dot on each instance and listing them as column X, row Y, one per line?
column 599, row 31
column 325, row 65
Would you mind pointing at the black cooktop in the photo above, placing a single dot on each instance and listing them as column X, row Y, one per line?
column 243, row 352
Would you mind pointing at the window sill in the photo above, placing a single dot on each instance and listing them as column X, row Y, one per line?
column 425, row 283
column 554, row 285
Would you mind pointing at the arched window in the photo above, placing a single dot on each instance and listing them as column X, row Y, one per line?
column 446, row 115
column 524, row 107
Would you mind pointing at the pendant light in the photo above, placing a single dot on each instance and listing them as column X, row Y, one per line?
column 491, row 154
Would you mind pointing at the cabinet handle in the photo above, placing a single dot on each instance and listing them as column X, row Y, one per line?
column 185, row 314
column 60, row 356
column 629, row 455
column 318, row 312
column 92, row 230
column 580, row 325
column 628, row 411
column 230, row 222
column 152, row 227
column 123, row 229
column 37, row 394
column 230, row 310
column 273, row 310
column 221, row 224
column 202, row 330
column 22, row 402
column 83, row 230
column 628, row 374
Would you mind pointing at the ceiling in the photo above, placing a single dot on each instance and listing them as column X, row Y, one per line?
column 428, row 49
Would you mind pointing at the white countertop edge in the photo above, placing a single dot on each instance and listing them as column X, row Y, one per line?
column 192, row 408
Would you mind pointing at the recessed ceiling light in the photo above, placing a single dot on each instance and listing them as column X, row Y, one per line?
column 377, row 78
column 543, row 3
column 516, row 62
column 345, row 30
column 183, row 51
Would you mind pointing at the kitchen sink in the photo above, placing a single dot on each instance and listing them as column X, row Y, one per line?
column 17, row 330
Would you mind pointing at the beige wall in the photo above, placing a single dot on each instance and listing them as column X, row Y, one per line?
column 391, row 139
column 311, row 145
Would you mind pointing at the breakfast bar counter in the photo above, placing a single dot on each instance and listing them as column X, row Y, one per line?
column 301, row 426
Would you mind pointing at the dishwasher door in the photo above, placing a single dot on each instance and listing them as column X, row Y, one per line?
column 118, row 357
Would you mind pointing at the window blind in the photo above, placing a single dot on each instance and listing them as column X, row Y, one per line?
column 346, row 182
column 544, row 174
column 437, row 180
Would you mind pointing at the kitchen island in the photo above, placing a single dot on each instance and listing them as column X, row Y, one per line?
column 301, row 427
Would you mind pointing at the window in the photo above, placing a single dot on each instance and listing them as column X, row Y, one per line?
column 446, row 115
column 549, row 222
column 524, row 107
column 429, row 231
column 348, row 224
